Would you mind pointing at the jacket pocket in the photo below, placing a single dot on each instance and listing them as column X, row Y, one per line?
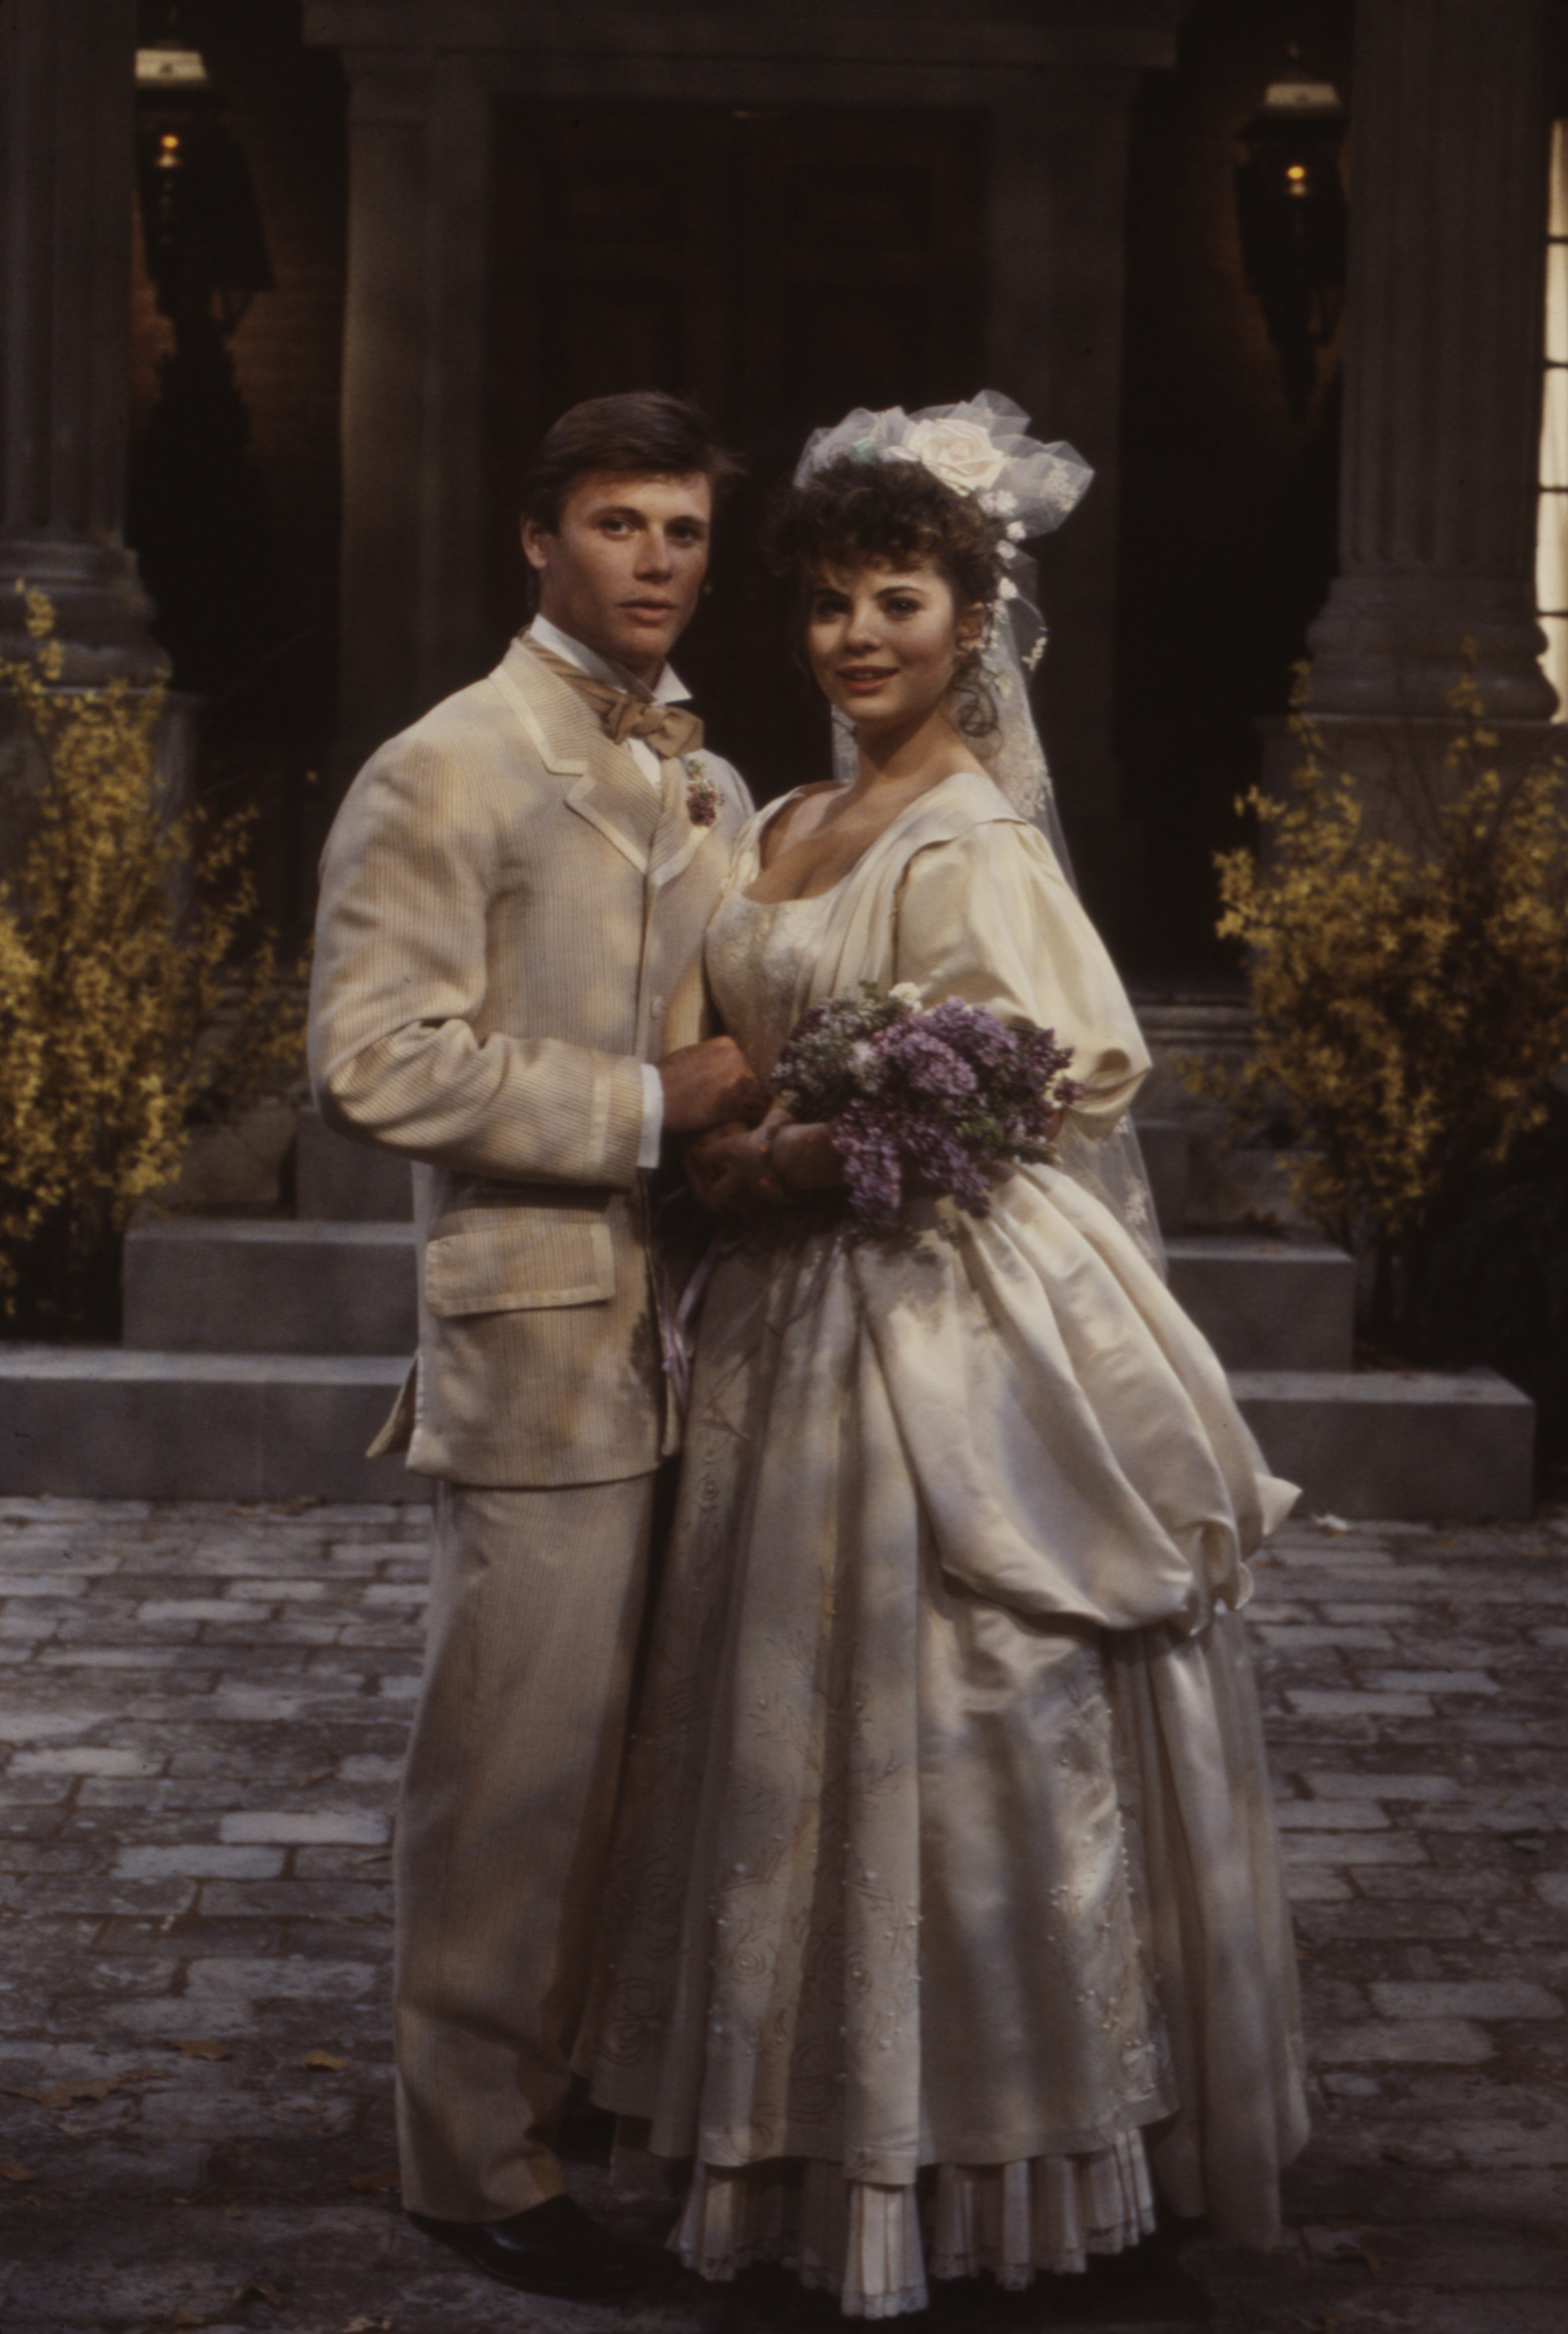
column 517, row 1259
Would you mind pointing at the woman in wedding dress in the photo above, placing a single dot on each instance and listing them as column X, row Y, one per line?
column 946, row 1929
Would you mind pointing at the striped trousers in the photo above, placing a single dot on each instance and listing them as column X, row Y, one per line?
column 503, row 1825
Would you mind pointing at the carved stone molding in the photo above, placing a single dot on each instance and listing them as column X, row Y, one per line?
column 1134, row 33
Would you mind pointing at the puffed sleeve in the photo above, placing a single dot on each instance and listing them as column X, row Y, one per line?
column 989, row 917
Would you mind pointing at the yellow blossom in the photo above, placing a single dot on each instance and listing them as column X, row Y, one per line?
column 125, row 1016
column 1409, row 1005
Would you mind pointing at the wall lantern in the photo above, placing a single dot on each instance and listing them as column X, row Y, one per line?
column 201, row 229
column 1290, row 206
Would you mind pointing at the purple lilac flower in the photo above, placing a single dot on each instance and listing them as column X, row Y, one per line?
column 924, row 1064
column 977, row 1035
column 941, row 1093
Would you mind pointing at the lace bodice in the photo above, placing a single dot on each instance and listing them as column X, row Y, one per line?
column 755, row 952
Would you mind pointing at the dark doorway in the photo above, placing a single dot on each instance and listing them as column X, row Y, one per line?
column 780, row 268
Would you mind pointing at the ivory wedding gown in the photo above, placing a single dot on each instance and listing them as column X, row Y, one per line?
column 945, row 1922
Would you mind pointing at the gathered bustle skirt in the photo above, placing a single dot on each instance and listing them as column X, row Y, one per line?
column 945, row 1924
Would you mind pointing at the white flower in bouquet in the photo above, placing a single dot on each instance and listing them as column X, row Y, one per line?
column 866, row 1061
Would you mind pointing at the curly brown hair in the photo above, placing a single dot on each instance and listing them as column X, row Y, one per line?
column 851, row 512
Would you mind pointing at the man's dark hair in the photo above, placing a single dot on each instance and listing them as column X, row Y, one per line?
column 643, row 433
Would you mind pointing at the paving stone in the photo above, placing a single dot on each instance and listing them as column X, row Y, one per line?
column 370, row 1768
column 1375, row 1783
column 1298, row 1639
column 340, row 1862
column 294, row 1977
column 1432, row 1947
column 339, row 1823
column 289, row 1590
column 1390, row 1918
column 297, row 1900
column 123, row 1658
column 77, row 1758
column 1355, row 1703
column 1331, row 1815
column 42, row 1724
column 201, row 1608
column 1347, row 1848
column 1446, row 2040
column 190, row 1861
column 28, row 1623
column 1467, row 1998
column 33, row 1790
column 1422, row 1681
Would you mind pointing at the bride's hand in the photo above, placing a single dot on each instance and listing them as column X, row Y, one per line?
column 804, row 1158
column 739, row 1169
column 728, row 1168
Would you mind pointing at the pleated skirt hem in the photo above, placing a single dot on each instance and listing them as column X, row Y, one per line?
column 877, row 2247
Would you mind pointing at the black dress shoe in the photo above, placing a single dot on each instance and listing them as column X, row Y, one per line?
column 553, row 2248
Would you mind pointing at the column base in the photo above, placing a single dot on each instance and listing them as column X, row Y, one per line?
column 102, row 615
column 1392, row 646
column 1401, row 766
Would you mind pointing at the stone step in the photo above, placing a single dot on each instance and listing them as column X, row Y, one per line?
column 227, row 1284
column 1269, row 1304
column 97, row 1422
column 338, row 1181
column 217, row 1285
column 106, row 1422
column 1419, row 1445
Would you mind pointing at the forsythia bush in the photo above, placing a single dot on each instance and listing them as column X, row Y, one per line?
column 123, row 1022
column 1411, row 1007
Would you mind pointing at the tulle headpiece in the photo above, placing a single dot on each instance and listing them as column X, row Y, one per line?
column 980, row 448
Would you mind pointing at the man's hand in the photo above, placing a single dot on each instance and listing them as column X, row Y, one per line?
column 707, row 1086
column 728, row 1170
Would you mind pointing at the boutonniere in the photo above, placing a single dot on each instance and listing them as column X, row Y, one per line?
column 701, row 793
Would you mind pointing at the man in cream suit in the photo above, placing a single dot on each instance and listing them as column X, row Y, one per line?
column 508, row 993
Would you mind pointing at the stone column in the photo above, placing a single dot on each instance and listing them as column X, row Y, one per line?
column 67, row 100
column 1442, row 372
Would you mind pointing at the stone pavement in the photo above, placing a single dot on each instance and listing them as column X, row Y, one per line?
column 201, row 1714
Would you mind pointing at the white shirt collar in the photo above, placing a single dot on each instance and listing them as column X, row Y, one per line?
column 668, row 690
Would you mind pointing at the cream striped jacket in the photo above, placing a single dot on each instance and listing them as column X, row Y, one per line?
column 511, row 921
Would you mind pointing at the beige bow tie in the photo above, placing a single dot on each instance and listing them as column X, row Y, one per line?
column 669, row 730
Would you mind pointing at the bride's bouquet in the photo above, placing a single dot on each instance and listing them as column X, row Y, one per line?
column 941, row 1093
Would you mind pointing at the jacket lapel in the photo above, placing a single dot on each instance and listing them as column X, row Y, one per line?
column 607, row 788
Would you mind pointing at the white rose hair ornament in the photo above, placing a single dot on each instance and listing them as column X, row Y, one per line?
column 980, row 449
